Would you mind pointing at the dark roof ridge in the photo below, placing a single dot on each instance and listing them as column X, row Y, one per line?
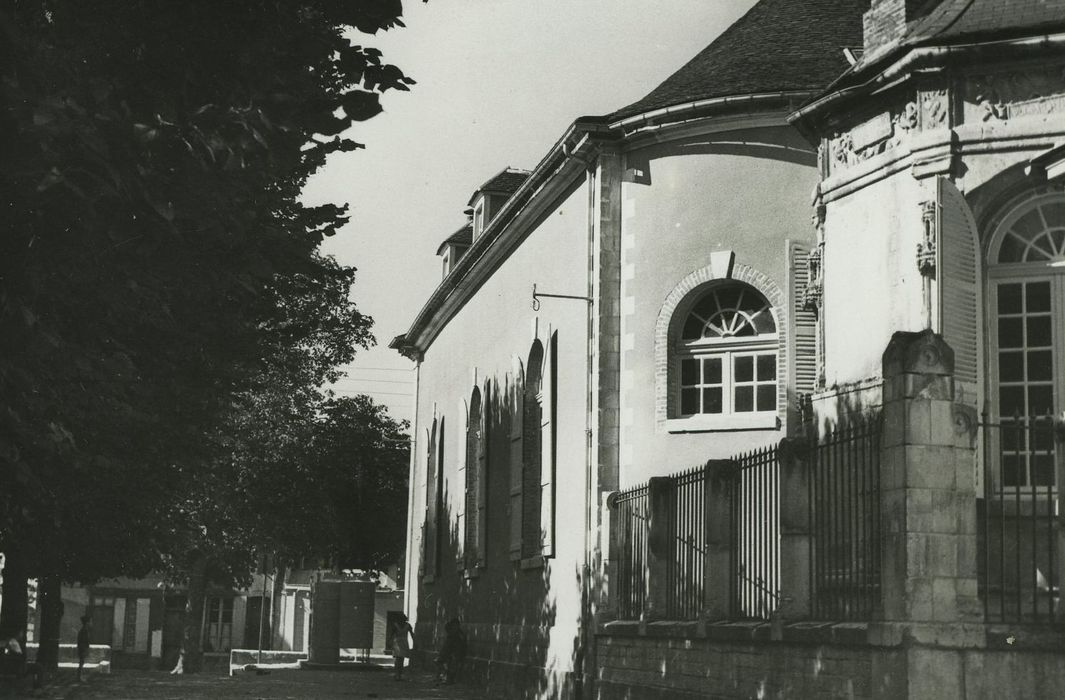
column 506, row 181
column 777, row 46
column 463, row 236
column 957, row 21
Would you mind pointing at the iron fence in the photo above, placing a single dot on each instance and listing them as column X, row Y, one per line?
column 685, row 573
column 630, row 520
column 844, row 526
column 1018, row 520
column 845, row 523
column 755, row 555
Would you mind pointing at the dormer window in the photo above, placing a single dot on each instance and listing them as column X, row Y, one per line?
column 478, row 219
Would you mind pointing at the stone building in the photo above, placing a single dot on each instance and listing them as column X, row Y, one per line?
column 683, row 430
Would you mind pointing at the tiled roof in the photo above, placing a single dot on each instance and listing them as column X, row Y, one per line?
column 778, row 46
column 953, row 19
column 507, row 181
column 464, row 236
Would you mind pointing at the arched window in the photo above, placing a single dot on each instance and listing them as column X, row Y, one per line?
column 726, row 354
column 532, row 454
column 433, row 497
column 476, row 481
column 1026, row 305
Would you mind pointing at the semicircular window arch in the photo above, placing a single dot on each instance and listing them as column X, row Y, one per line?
column 1034, row 233
column 726, row 354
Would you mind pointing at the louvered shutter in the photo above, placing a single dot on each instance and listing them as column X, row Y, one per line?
column 473, row 442
column 802, row 331
column 517, row 404
column 547, row 451
column 958, row 273
column 482, row 481
column 431, row 506
column 460, row 506
column 532, row 448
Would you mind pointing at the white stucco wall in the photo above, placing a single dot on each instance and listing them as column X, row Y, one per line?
column 481, row 343
column 872, row 285
column 741, row 191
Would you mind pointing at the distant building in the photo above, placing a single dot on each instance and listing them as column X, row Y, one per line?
column 754, row 387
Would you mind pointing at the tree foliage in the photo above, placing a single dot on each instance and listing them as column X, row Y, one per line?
column 157, row 268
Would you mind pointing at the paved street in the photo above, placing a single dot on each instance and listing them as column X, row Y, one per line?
column 279, row 684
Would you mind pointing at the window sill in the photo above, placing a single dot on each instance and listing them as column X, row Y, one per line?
column 707, row 424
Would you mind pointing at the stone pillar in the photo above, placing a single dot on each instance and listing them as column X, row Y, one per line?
column 661, row 509
column 928, row 491
column 794, row 529
column 605, row 292
column 718, row 569
column 606, row 604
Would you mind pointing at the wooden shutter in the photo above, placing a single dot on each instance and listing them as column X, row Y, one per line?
column 460, row 501
column 802, row 325
column 473, row 441
column 482, row 480
column 431, row 506
column 532, row 448
column 547, row 451
column 958, row 273
column 517, row 411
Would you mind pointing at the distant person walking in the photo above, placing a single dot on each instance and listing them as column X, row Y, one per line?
column 83, row 642
column 453, row 651
column 402, row 635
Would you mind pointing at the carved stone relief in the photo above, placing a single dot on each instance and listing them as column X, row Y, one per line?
column 934, row 109
column 1002, row 96
column 929, row 110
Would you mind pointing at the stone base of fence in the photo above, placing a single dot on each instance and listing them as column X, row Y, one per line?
column 811, row 660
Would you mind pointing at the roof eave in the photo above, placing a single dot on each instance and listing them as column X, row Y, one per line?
column 911, row 58
column 574, row 145
column 705, row 107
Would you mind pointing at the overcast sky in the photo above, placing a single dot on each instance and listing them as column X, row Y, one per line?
column 498, row 82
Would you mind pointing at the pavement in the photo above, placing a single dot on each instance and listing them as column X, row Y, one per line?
column 276, row 684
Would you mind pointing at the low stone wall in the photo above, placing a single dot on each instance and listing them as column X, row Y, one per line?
column 508, row 661
column 814, row 661
column 670, row 660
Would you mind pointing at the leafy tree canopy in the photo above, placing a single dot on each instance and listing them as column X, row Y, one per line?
column 157, row 269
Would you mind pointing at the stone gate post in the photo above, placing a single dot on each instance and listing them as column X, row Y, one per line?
column 717, row 572
column 928, row 487
column 928, row 522
column 794, row 528
column 662, row 497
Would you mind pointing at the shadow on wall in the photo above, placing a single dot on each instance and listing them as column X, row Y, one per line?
column 505, row 603
column 842, row 407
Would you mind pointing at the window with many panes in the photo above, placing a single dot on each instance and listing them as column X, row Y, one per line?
column 218, row 630
column 727, row 354
column 1026, row 290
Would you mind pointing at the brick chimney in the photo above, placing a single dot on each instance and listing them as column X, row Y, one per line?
column 885, row 21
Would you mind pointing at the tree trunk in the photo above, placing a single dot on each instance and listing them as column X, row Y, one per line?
column 191, row 658
column 275, row 607
column 13, row 613
column 50, row 602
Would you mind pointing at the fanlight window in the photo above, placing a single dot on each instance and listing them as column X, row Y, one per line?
column 729, row 312
column 727, row 354
column 1038, row 235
